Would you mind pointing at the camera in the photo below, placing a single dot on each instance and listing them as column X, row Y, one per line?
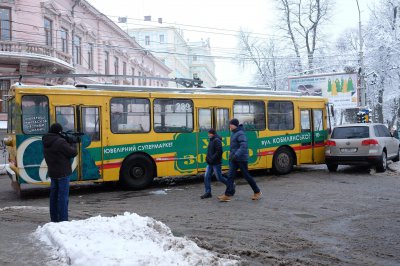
column 72, row 137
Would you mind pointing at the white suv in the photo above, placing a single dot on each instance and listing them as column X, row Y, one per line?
column 363, row 143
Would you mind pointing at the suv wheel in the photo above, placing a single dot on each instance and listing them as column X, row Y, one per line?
column 397, row 158
column 382, row 165
column 332, row 167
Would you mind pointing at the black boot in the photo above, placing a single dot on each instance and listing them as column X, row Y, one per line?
column 206, row 196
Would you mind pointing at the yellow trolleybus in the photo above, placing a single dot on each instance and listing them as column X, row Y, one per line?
column 134, row 134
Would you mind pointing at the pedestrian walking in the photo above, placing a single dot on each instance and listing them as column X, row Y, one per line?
column 214, row 160
column 238, row 159
column 58, row 154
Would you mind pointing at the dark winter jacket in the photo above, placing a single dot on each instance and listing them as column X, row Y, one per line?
column 58, row 153
column 214, row 151
column 239, row 149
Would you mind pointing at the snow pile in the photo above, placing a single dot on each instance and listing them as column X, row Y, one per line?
column 394, row 166
column 127, row 239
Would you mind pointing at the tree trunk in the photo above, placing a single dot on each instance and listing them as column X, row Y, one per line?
column 379, row 106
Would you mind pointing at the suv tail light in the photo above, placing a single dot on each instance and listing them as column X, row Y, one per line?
column 330, row 143
column 369, row 142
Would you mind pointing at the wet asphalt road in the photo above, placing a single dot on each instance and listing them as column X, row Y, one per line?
column 310, row 217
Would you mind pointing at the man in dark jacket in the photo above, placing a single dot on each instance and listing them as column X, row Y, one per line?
column 213, row 159
column 58, row 154
column 238, row 159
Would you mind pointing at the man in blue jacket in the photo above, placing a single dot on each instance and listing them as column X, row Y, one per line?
column 238, row 159
column 213, row 159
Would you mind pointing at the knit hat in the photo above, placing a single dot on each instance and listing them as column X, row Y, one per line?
column 55, row 128
column 234, row 122
column 212, row 131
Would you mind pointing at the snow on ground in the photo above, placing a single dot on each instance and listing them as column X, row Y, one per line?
column 158, row 192
column 3, row 169
column 29, row 208
column 127, row 239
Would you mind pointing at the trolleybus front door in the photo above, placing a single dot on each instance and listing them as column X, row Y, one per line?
column 312, row 136
column 91, row 159
column 217, row 118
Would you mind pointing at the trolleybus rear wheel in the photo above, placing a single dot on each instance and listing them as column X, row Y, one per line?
column 137, row 172
column 283, row 161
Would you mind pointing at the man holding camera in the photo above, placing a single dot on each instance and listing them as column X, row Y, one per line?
column 58, row 154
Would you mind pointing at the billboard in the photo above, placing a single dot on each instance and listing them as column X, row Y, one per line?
column 339, row 88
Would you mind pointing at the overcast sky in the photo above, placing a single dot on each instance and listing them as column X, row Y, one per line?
column 255, row 16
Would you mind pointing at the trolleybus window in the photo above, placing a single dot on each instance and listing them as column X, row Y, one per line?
column 173, row 115
column 280, row 115
column 130, row 115
column 11, row 116
column 250, row 113
column 222, row 119
column 91, row 122
column 205, row 122
column 35, row 114
column 65, row 115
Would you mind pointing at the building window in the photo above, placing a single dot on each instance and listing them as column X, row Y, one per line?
column 5, row 25
column 90, row 56
column 124, row 68
column 107, row 63
column 144, row 82
column 195, row 58
column 130, row 115
column 133, row 74
column 147, row 40
column 48, row 31
column 64, row 40
column 116, row 65
column 77, row 50
column 161, row 38
column 139, row 79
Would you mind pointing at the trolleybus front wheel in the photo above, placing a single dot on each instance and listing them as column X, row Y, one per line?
column 283, row 161
column 137, row 172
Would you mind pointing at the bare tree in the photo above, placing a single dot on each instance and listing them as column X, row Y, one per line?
column 382, row 59
column 254, row 52
column 303, row 23
column 272, row 69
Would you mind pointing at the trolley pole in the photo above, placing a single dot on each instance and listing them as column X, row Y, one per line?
column 361, row 55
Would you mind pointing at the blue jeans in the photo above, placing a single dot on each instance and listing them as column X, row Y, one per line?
column 233, row 167
column 59, row 197
column 216, row 169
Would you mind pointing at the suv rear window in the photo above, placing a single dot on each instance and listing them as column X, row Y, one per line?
column 350, row 133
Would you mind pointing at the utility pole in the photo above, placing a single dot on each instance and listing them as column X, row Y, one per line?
column 361, row 72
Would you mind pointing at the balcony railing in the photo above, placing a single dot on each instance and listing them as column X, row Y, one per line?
column 34, row 49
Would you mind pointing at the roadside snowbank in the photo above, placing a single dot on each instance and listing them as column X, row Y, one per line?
column 127, row 239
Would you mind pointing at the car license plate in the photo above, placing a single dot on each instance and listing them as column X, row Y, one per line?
column 348, row 149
